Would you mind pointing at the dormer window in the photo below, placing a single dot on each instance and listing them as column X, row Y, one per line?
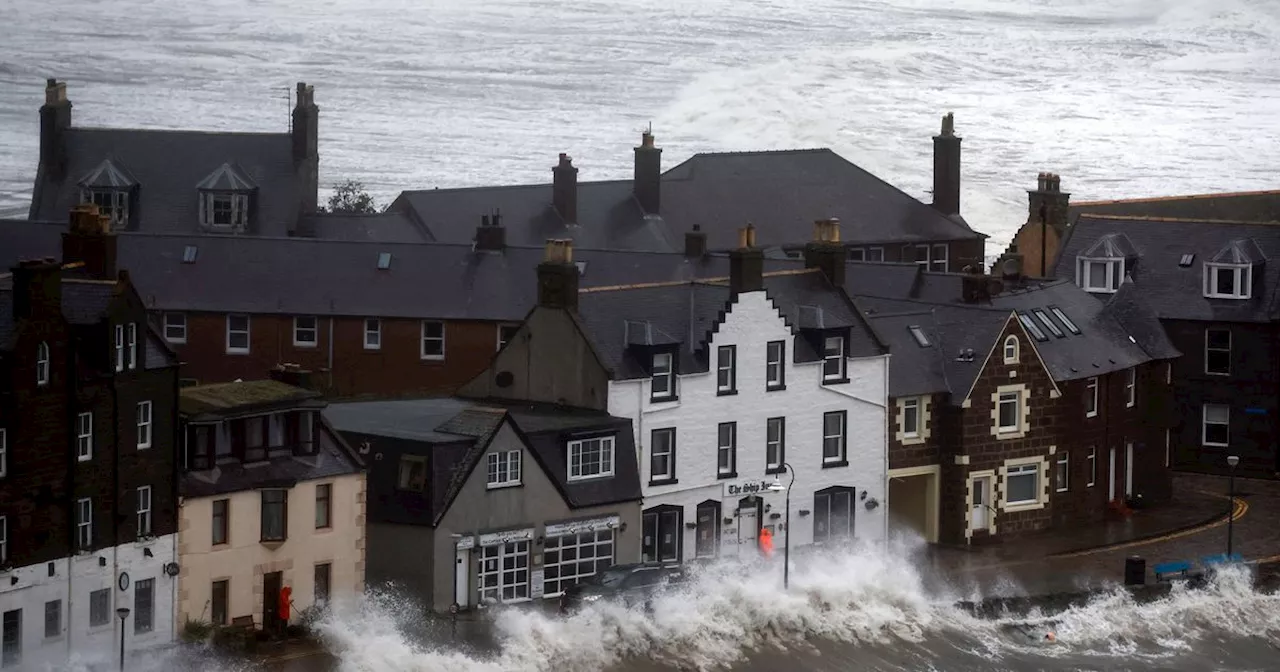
column 662, row 380
column 225, row 199
column 1101, row 276
column 109, row 186
column 1228, row 281
column 833, row 361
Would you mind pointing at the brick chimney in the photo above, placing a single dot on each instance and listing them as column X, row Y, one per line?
column 558, row 276
column 746, row 264
column 1048, row 202
column 292, row 374
column 946, row 168
column 491, row 234
column 695, row 243
column 55, row 120
column 37, row 289
column 306, row 145
column 564, row 189
column 648, row 179
column 825, row 252
column 89, row 240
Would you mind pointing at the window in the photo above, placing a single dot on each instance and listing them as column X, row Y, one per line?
column 1032, row 327
column 221, row 525
column 143, row 508
column 1091, row 398
column 1009, row 412
column 238, row 334
column 224, row 210
column 1099, row 275
column 775, row 370
column 727, row 450
column 775, row 445
column 1048, row 323
column 1186, row 260
column 506, row 332
column 144, row 424
column 11, row 641
column 99, row 608
column 570, row 558
column 1228, row 281
column 175, row 327
column 833, row 437
column 4, row 540
column 1093, row 466
column 305, row 331
column 131, row 353
column 42, row 363
column 189, row 254
column 1131, row 387
column 324, row 505
column 875, row 254
column 922, row 256
column 1217, row 425
column 662, row 455
column 254, row 437
column 84, row 437
column 662, row 534
column 833, row 358
column 1062, row 475
column 939, row 261
column 706, row 543
column 275, row 515
column 589, row 458
column 504, row 571
column 144, row 606
column 917, row 333
column 504, row 469
column 1022, row 484
column 84, row 524
column 832, row 514
column 372, row 334
column 911, row 418
column 662, row 381
column 1011, row 350
column 726, row 369
column 1066, row 321
column 218, row 602
column 113, row 203
column 322, row 575
column 384, row 261
column 413, row 473
column 119, row 331
column 300, row 432
column 857, row 254
column 52, row 619
column 199, row 447
column 4, row 452
column 432, row 340
column 1217, row 352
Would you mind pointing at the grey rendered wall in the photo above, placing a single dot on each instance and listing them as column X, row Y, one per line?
column 401, row 554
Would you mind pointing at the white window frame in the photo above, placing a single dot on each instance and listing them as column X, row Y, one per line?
column 4, row 540
column 132, row 353
column 663, row 371
column 247, row 332
column 911, row 431
column 1091, row 398
column 114, row 203
column 1204, row 424
column 775, row 443
column 1017, row 401
column 1062, row 474
column 936, row 260
column 4, row 452
column 775, row 369
column 837, row 355
column 119, row 347
column 503, row 341
column 237, row 206
column 496, row 556
column 1112, row 275
column 726, row 372
column 175, row 327
column 42, row 364
column 84, row 524
column 578, row 469
column 1019, row 470
column 875, row 254
column 503, row 469
column 659, row 451
column 840, row 438
column 726, row 452
column 595, row 547
column 1131, row 387
column 424, row 339
column 1242, row 278
column 299, row 332
column 143, row 507
column 84, row 437
column 144, row 425
column 1208, row 349
column 1011, row 349
column 372, row 327
column 1093, row 466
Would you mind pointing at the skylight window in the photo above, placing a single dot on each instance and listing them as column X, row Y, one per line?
column 1032, row 327
column 1186, row 260
column 921, row 339
column 384, row 261
column 1066, row 321
column 1049, row 324
column 189, row 254
column 582, row 267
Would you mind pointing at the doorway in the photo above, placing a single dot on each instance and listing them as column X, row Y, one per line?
column 462, row 578
column 980, row 515
column 913, row 502
column 271, row 585
column 748, row 526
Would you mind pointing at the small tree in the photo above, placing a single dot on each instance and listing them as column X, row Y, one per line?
column 351, row 197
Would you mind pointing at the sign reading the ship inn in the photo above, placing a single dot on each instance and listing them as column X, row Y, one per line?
column 744, row 488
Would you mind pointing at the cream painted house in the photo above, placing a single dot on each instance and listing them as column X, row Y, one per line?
column 273, row 505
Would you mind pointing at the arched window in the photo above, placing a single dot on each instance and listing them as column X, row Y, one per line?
column 1011, row 350
column 42, row 364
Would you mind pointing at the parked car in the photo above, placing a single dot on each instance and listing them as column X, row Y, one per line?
column 631, row 585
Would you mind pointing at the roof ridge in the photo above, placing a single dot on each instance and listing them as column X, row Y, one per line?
column 115, row 129
column 581, row 184
column 1188, row 220
column 1157, row 199
column 713, row 281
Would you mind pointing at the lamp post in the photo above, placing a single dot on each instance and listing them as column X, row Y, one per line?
column 1232, row 461
column 123, row 613
column 776, row 486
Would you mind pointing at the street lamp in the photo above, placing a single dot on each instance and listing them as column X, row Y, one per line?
column 776, row 486
column 123, row 613
column 1232, row 461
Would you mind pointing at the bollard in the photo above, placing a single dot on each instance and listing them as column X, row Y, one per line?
column 1135, row 571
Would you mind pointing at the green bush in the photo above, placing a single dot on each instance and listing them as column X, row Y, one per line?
column 196, row 631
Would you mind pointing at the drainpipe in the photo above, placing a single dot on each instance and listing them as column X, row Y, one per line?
column 884, row 493
column 119, row 498
column 331, row 353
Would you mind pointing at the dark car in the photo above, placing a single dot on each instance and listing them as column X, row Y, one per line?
column 631, row 585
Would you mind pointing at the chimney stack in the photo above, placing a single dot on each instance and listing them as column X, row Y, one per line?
column 55, row 121
column 37, row 288
column 558, row 276
column 746, row 263
column 564, row 187
column 825, row 252
column 1048, row 203
column 306, row 145
column 648, row 177
column 695, row 243
column 89, row 240
column 491, row 234
column 946, row 168
column 292, row 374
column 975, row 286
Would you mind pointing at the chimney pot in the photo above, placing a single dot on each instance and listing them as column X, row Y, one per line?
column 559, row 251
column 827, row 230
column 747, row 236
column 946, row 168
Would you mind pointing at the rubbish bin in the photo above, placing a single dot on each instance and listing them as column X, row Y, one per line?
column 1135, row 571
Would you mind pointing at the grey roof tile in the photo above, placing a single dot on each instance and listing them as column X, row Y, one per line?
column 334, row 458
column 386, row 227
column 1249, row 206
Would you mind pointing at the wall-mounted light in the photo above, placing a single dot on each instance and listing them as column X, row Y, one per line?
column 690, row 526
column 728, row 521
column 804, row 512
column 775, row 516
column 871, row 504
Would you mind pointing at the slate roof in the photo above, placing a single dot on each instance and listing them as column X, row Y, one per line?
column 386, row 227
column 688, row 312
column 1248, row 206
column 1173, row 291
column 334, row 458
column 169, row 167
column 782, row 192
